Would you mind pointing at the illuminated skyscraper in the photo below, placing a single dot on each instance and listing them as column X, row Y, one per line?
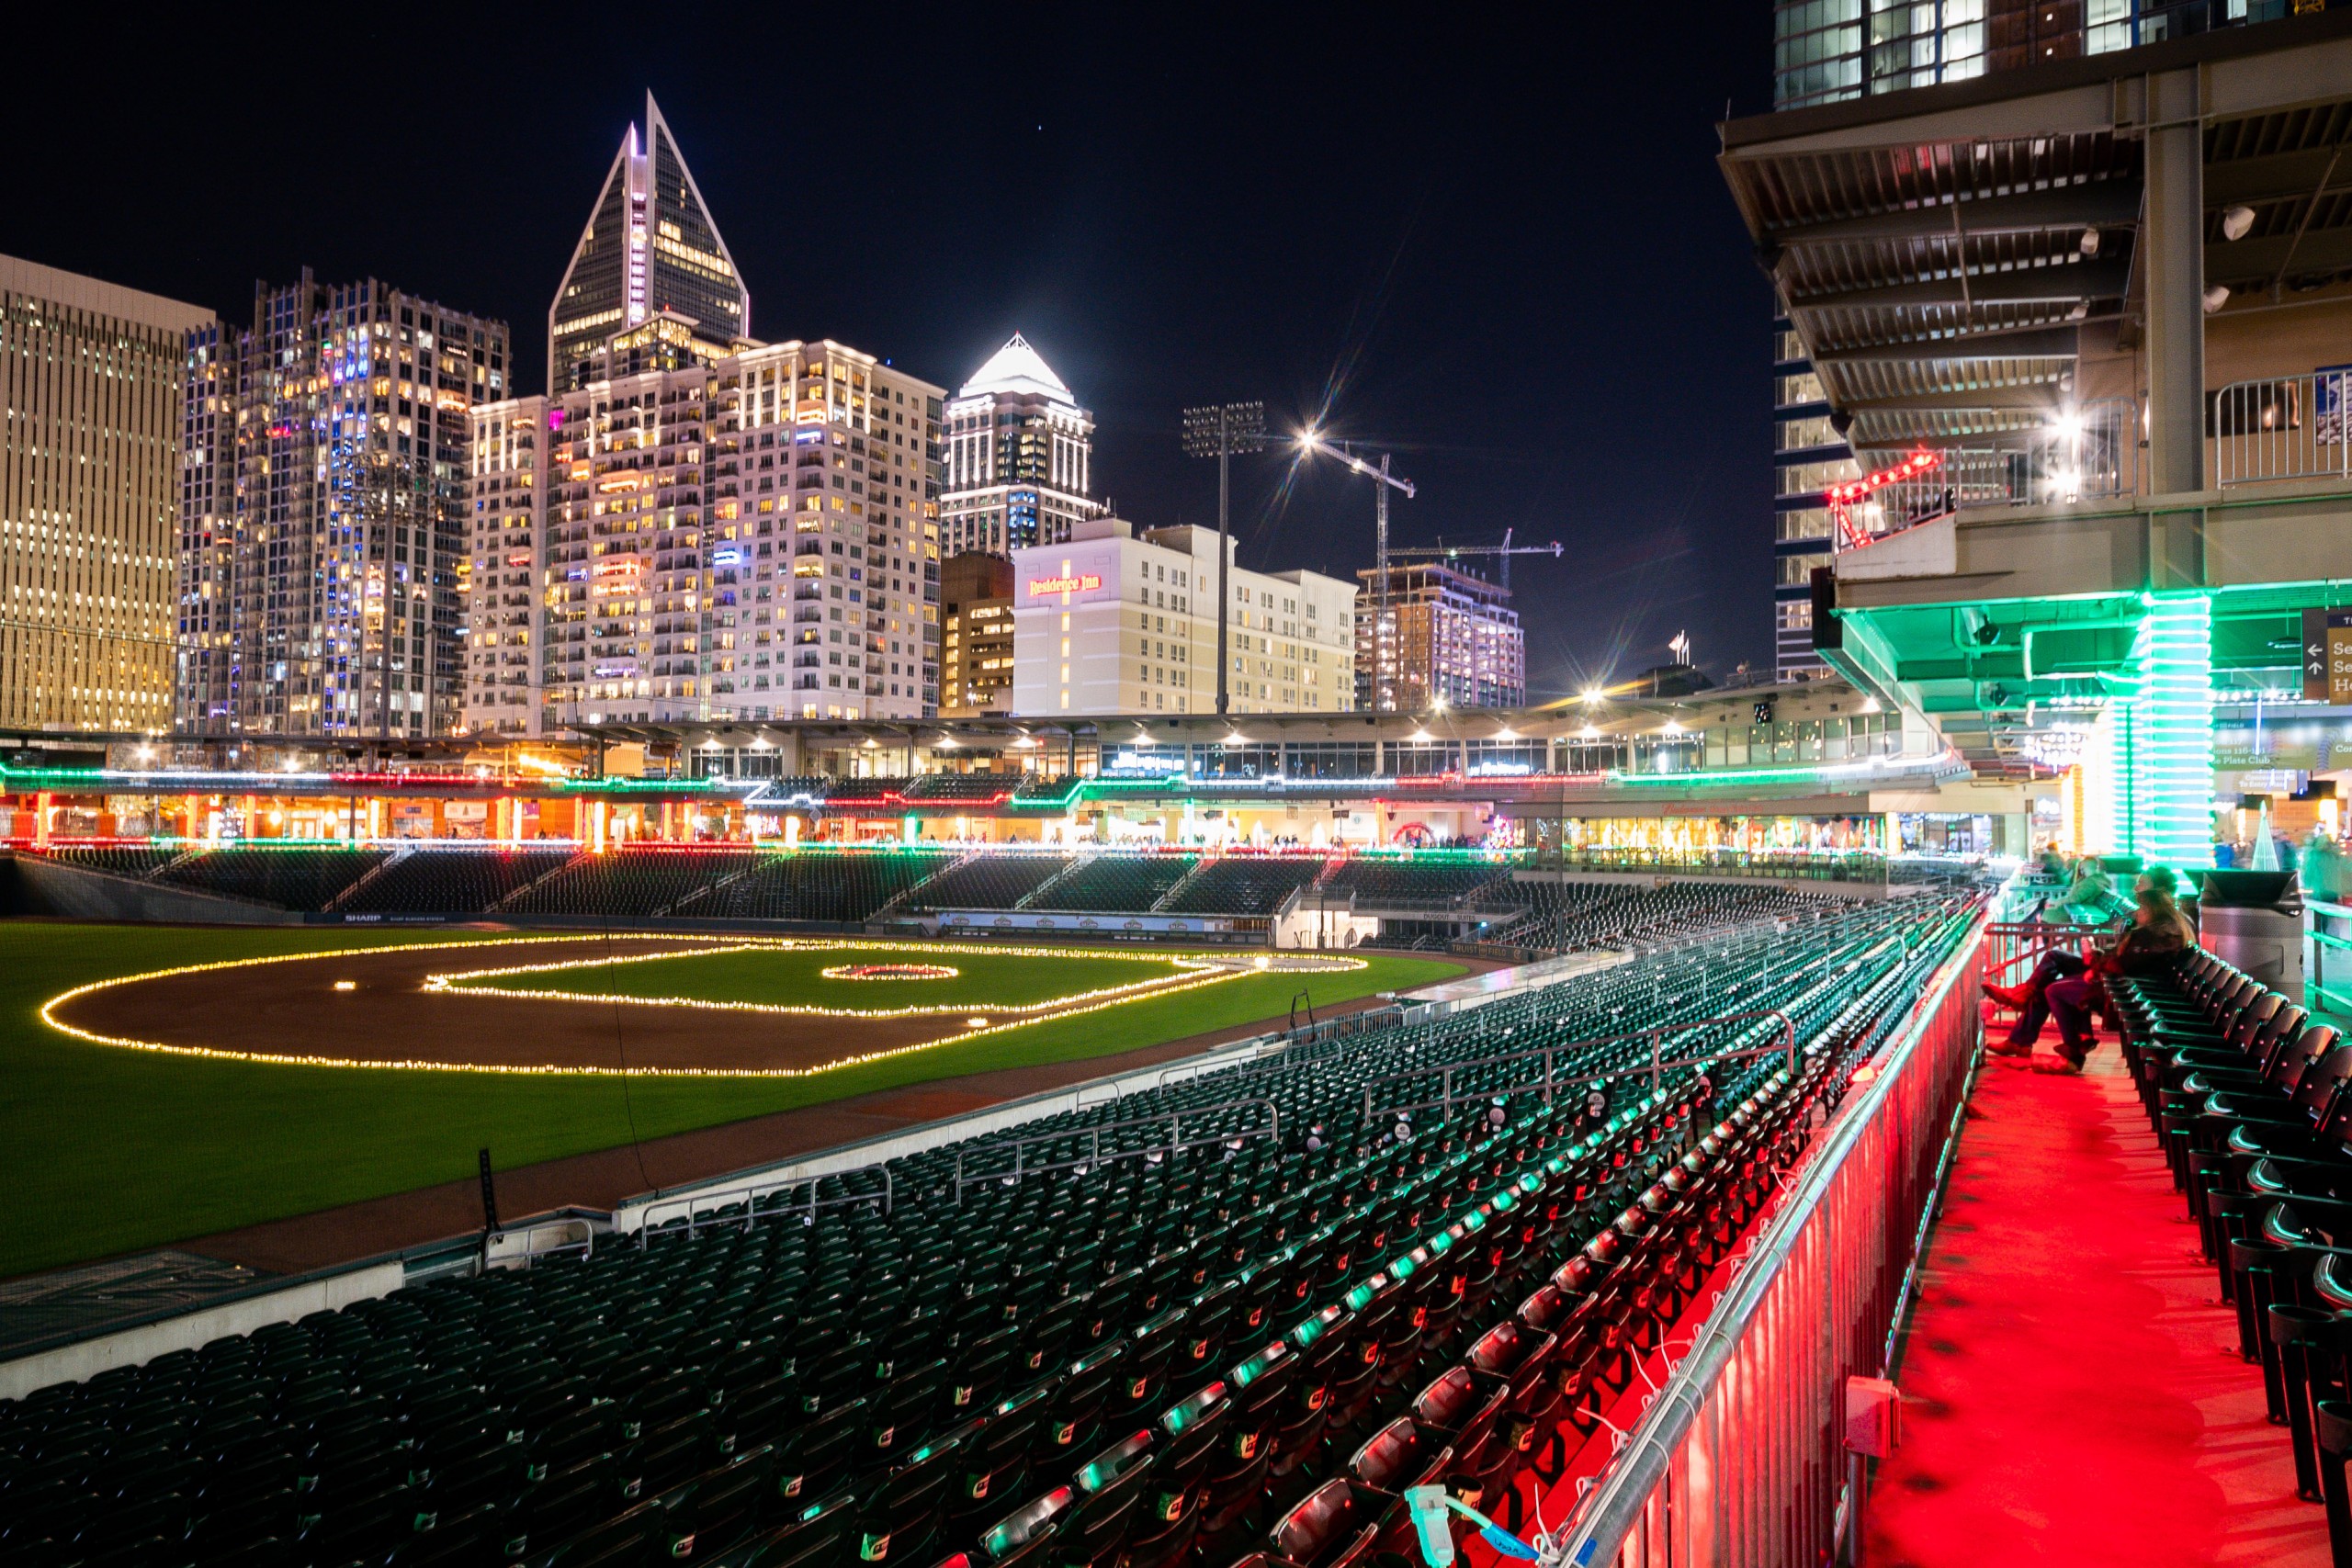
column 1020, row 457
column 323, row 556
column 682, row 538
column 650, row 246
column 89, row 467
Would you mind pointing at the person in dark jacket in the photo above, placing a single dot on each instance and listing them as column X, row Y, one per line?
column 2156, row 939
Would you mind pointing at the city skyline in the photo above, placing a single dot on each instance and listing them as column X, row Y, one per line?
column 1316, row 251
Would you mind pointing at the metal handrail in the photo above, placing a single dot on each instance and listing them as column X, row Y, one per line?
column 2282, row 427
column 693, row 1203
column 1762, row 1489
column 585, row 1244
column 1176, row 1144
column 1656, row 1067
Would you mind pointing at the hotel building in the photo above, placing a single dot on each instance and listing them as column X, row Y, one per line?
column 324, row 512
column 1019, row 456
column 1113, row 621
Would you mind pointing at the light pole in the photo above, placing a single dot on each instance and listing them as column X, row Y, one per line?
column 1219, row 430
column 1382, row 697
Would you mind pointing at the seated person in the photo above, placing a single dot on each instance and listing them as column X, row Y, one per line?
column 2158, row 934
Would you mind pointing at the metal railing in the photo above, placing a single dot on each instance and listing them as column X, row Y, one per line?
column 2012, row 947
column 573, row 1236
column 1740, row 1459
column 2087, row 453
column 1770, row 866
column 1173, row 1120
column 1656, row 1068
column 701, row 1209
column 2290, row 427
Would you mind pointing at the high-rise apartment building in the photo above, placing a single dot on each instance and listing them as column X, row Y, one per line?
column 1828, row 50
column 1113, row 621
column 89, row 475
column 975, row 649
column 650, row 247
column 1019, row 459
column 325, row 516
column 1453, row 639
column 503, row 624
column 749, row 537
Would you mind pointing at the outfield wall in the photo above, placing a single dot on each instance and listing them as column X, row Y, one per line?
column 41, row 886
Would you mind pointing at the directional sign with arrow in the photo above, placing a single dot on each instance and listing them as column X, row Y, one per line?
column 2327, row 656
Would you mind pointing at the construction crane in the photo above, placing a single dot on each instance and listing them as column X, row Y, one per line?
column 1506, row 550
column 1383, row 673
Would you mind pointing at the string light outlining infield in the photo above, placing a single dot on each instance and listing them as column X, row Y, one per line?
column 1203, row 970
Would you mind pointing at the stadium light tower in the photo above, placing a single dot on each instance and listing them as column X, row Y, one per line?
column 1384, row 697
column 1219, row 430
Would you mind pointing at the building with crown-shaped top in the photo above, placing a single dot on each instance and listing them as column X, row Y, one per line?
column 650, row 247
column 1019, row 460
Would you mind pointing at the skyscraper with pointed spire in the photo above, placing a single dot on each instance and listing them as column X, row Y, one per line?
column 650, row 248
column 1020, row 457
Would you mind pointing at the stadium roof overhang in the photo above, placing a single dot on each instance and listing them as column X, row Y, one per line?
column 1965, row 266
column 1017, row 734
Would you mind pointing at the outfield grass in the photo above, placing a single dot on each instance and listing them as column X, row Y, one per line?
column 794, row 978
column 104, row 1151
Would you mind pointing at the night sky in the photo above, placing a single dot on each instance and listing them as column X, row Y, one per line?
column 1496, row 245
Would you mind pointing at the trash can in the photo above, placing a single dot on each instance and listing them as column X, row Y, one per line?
column 2255, row 920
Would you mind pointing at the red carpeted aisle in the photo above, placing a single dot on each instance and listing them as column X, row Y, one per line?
column 2072, row 1390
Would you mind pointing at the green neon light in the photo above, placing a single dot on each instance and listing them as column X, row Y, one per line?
column 1729, row 778
column 2171, row 818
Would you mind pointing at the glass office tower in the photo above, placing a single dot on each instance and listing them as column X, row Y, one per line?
column 650, row 247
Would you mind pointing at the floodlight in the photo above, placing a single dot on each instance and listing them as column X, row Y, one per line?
column 2216, row 297
column 1220, row 430
column 1216, row 430
column 2237, row 222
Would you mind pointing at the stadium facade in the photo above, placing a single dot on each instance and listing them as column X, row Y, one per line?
column 90, row 374
column 1714, row 780
column 2091, row 322
column 1829, row 51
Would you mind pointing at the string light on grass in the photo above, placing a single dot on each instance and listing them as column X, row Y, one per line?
column 1194, row 969
column 890, row 972
column 1203, row 969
